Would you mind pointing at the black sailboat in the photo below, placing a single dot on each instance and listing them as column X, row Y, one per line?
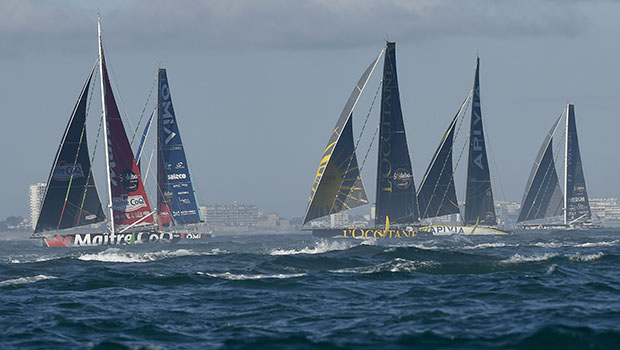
column 338, row 184
column 437, row 193
column 543, row 196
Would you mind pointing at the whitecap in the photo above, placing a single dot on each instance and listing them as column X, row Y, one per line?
column 396, row 265
column 121, row 256
column 598, row 244
column 318, row 248
column 489, row 245
column 518, row 258
column 25, row 280
column 585, row 257
column 238, row 277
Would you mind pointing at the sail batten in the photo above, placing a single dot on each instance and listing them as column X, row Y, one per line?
column 71, row 198
column 396, row 194
column 176, row 199
column 479, row 205
column 334, row 183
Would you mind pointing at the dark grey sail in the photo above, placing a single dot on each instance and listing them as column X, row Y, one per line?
column 543, row 196
column 576, row 201
column 479, row 206
column 337, row 184
column 437, row 194
column 71, row 197
column 396, row 195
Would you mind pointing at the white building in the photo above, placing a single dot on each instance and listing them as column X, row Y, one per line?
column 605, row 210
column 339, row 219
column 37, row 192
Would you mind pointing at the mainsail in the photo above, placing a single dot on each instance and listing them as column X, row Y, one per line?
column 337, row 185
column 543, row 196
column 127, row 196
column 396, row 195
column 437, row 194
column 176, row 199
column 71, row 197
column 479, row 206
column 576, row 204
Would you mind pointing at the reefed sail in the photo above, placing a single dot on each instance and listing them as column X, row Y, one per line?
column 130, row 206
column 576, row 201
column 543, row 196
column 396, row 195
column 71, row 198
column 176, row 199
column 479, row 206
column 337, row 185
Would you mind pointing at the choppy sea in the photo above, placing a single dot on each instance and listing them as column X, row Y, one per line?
column 528, row 290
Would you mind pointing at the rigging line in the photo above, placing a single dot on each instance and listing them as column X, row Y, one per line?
column 356, row 146
column 148, row 99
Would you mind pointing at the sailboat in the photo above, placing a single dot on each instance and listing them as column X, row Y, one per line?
column 338, row 185
column 543, row 196
column 177, row 203
column 437, row 193
column 71, row 199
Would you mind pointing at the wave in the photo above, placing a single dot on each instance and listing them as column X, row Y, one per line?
column 25, row 280
column 490, row 245
column 396, row 265
column 120, row 256
column 240, row 277
column 598, row 244
column 518, row 258
column 318, row 248
column 585, row 257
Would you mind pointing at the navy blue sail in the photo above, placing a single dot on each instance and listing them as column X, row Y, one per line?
column 576, row 204
column 437, row 193
column 71, row 198
column 396, row 195
column 543, row 196
column 176, row 198
column 479, row 206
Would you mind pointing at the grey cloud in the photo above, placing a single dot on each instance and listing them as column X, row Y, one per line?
column 29, row 26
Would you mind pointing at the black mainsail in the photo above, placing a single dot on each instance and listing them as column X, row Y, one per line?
column 437, row 193
column 576, row 204
column 396, row 195
column 543, row 196
column 337, row 185
column 71, row 198
column 479, row 206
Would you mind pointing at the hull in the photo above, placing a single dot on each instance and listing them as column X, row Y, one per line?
column 108, row 239
column 409, row 232
column 196, row 236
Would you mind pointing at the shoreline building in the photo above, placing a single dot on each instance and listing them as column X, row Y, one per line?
column 37, row 192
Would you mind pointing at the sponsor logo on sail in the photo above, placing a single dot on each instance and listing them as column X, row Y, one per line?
column 64, row 171
column 128, row 203
column 177, row 176
column 129, row 180
column 402, row 179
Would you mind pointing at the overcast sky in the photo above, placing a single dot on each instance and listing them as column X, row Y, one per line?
column 258, row 85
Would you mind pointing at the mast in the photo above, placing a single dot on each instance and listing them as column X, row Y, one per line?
column 479, row 205
column 105, row 126
column 567, row 137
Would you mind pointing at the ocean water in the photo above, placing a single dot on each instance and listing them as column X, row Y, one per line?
column 528, row 290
